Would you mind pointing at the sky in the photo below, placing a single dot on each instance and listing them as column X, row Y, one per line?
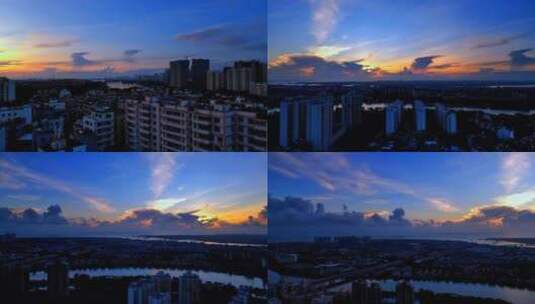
column 401, row 194
column 132, row 193
column 87, row 39
column 362, row 40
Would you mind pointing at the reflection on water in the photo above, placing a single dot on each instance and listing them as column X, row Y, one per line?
column 380, row 106
column 121, row 85
column 513, row 295
column 150, row 238
column 208, row 276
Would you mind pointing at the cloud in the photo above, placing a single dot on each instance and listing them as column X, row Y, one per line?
column 230, row 36
column 32, row 222
column 163, row 169
column 55, row 44
column 295, row 218
column 309, row 67
column 324, row 18
column 443, row 205
column 514, row 168
column 522, row 199
column 20, row 175
column 520, row 59
column 422, row 63
column 497, row 42
column 336, row 175
column 52, row 216
column 8, row 181
column 130, row 54
column 10, row 63
column 80, row 60
column 24, row 197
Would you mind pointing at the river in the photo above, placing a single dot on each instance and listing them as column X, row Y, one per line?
column 205, row 276
column 513, row 295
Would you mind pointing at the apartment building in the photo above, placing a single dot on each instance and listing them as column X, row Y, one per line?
column 185, row 125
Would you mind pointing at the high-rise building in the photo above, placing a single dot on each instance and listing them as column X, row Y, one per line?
column 199, row 70
column 404, row 293
column 179, row 74
column 100, row 121
column 229, row 78
column 14, row 278
column 242, row 297
column 440, row 115
column 189, row 286
column 451, row 123
column 393, row 114
column 359, row 292
column 162, row 281
column 160, row 298
column 420, row 115
column 7, row 90
column 215, row 81
column 320, row 123
column 375, row 294
column 292, row 123
column 184, row 125
column 58, row 279
column 446, row 119
column 259, row 69
column 351, row 110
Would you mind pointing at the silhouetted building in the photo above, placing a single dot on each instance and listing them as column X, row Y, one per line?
column 14, row 278
column 179, row 74
column 58, row 279
column 419, row 116
column 375, row 294
column 451, row 123
column 404, row 293
column 393, row 114
column 7, row 90
column 320, row 124
column 359, row 292
column 199, row 70
column 189, row 286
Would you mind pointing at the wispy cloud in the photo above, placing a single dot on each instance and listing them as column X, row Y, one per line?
column 324, row 18
column 335, row 174
column 55, row 44
column 514, row 168
column 22, row 174
column 498, row 42
column 24, row 197
column 163, row 169
column 443, row 205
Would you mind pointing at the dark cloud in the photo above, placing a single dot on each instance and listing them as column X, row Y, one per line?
column 80, row 60
column 297, row 219
column 57, row 44
column 142, row 221
column 130, row 54
column 520, row 59
column 443, row 66
column 498, row 42
column 422, row 63
column 53, row 215
column 10, row 62
column 304, row 67
column 247, row 37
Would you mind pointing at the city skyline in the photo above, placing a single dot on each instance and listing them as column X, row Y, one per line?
column 400, row 194
column 132, row 193
column 342, row 40
column 71, row 39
